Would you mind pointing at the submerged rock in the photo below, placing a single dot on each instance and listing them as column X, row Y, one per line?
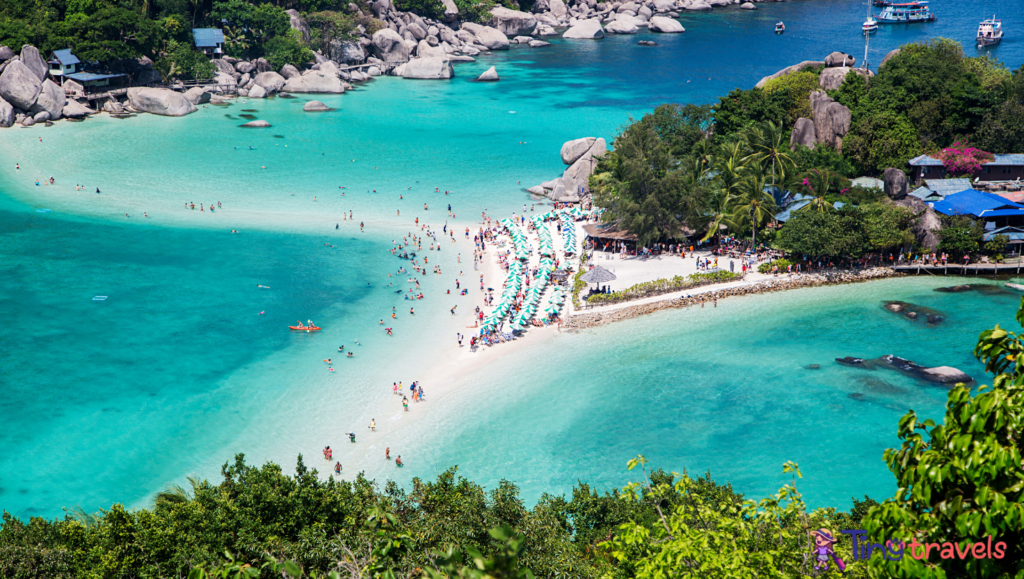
column 257, row 124
column 315, row 106
column 938, row 374
column 647, row 43
column 954, row 289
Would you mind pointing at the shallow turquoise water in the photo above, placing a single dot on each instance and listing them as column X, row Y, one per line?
column 176, row 371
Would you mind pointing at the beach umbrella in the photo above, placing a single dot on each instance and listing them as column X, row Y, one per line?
column 598, row 275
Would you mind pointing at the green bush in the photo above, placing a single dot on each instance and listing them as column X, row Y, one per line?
column 781, row 263
column 287, row 49
column 183, row 62
column 798, row 87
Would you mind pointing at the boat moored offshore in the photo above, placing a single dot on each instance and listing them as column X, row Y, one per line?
column 990, row 32
column 780, row 28
column 870, row 25
column 906, row 12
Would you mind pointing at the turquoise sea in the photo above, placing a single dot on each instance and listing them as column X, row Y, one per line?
column 108, row 401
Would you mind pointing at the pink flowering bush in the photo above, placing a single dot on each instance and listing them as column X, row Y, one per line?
column 963, row 160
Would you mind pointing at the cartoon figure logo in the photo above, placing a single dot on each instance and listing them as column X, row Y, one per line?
column 823, row 542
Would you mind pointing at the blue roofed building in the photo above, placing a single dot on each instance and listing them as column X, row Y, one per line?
column 992, row 209
column 1009, row 167
column 937, row 189
column 209, row 40
column 63, row 63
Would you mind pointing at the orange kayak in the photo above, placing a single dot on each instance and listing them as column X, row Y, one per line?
column 306, row 328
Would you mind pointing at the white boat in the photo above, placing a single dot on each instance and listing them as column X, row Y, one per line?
column 780, row 28
column 990, row 32
column 870, row 25
column 1015, row 286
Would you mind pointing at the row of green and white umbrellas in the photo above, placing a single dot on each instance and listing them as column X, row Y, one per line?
column 533, row 295
column 518, row 239
column 556, row 300
column 568, row 230
column 508, row 297
column 544, row 236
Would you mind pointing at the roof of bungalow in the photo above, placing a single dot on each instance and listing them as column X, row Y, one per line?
column 64, row 57
column 934, row 189
column 208, row 37
column 800, row 203
column 1014, row 233
column 978, row 204
column 1000, row 159
column 89, row 76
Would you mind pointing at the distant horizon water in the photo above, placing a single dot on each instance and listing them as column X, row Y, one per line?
column 177, row 370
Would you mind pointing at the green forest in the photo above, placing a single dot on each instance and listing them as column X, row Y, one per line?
column 959, row 481
column 714, row 167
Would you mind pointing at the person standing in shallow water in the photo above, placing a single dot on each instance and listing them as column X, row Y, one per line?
column 373, row 425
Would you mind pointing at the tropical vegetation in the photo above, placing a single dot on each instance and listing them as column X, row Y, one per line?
column 663, row 286
column 729, row 168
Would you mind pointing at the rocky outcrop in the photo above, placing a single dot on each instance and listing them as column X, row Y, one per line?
column 788, row 70
column 198, row 95
column 31, row 58
column 389, row 47
column 315, row 81
column 244, row 67
column 297, row 22
column 488, row 75
column 51, row 99
column 346, row 51
column 803, row 134
column 748, row 6
column 428, row 69
column 573, row 150
column 831, row 120
column 839, row 59
column 665, row 25
column 895, row 183
column 512, row 22
column 224, row 66
column 425, row 50
column 19, row 85
column 6, row 53
column 159, row 101
column 451, row 11
column 315, row 107
column 289, row 71
column 926, row 222
column 585, row 30
column 892, row 54
column 487, row 36
column 538, row 43
column 270, row 81
column 257, row 92
column 621, row 27
column 832, row 78
column 76, row 110
column 6, row 114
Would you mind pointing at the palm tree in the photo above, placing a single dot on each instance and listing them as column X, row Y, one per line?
column 176, row 494
column 87, row 519
column 722, row 206
column 768, row 143
column 704, row 154
column 754, row 203
column 818, row 182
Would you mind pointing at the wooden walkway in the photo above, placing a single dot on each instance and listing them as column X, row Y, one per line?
column 961, row 270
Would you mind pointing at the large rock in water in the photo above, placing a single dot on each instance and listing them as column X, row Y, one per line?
column 297, row 22
column 573, row 150
column 271, row 81
column 512, row 22
column 895, row 183
column 664, row 25
column 30, row 57
column 389, row 46
column 315, row 81
column 487, row 36
column 428, row 69
column 159, row 101
column 425, row 50
column 6, row 114
column 19, row 85
column 585, row 30
column 257, row 92
column 76, row 110
column 315, row 107
column 788, row 70
column 946, row 375
column 197, row 95
column 257, row 124
column 803, row 134
column 839, row 59
column 621, row 27
column 51, row 99
column 491, row 74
